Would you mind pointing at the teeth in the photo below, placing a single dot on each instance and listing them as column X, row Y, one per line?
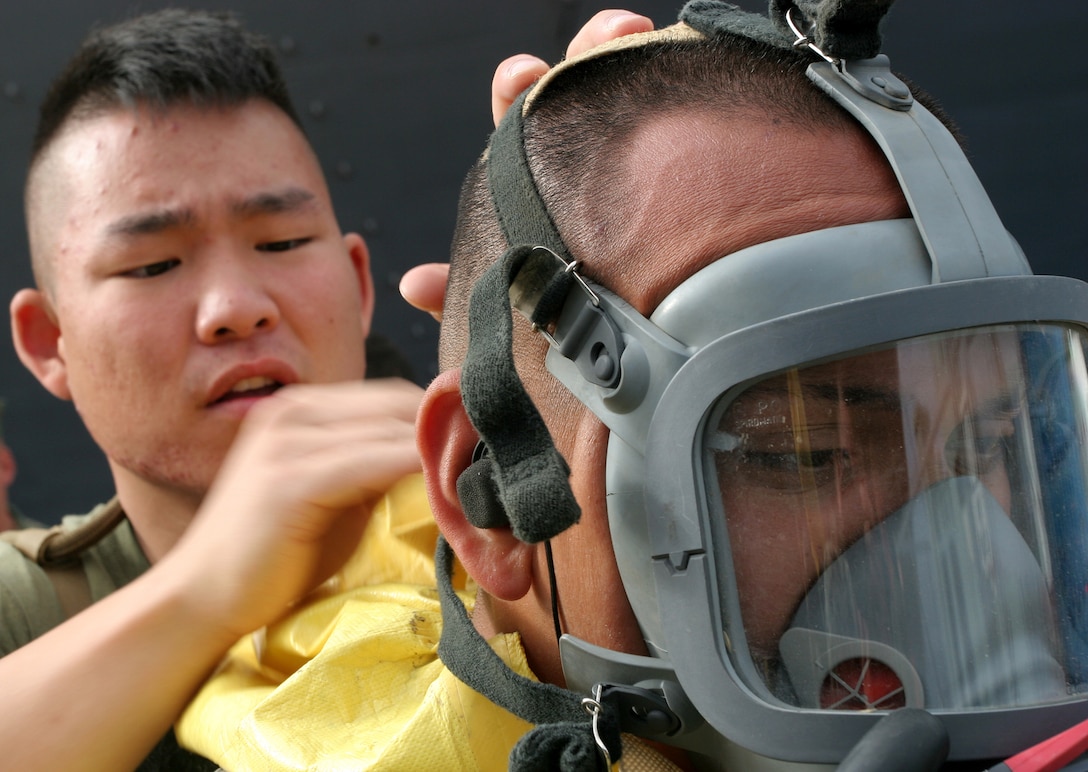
column 250, row 384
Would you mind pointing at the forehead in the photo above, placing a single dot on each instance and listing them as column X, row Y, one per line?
column 699, row 187
column 114, row 163
column 143, row 144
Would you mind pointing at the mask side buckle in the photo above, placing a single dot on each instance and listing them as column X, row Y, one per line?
column 588, row 337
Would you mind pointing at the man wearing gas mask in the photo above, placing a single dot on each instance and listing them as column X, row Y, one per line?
column 791, row 436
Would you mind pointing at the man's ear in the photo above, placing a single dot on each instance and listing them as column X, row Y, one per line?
column 499, row 563
column 360, row 259
column 37, row 338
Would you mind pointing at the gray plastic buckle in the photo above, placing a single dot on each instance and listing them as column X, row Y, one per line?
column 873, row 78
column 588, row 337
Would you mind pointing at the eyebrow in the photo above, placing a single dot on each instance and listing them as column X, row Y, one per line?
column 147, row 223
column 274, row 202
column 853, row 395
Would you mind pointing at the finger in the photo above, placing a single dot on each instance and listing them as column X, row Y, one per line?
column 296, row 476
column 424, row 287
column 513, row 76
column 351, row 472
column 605, row 26
column 320, row 403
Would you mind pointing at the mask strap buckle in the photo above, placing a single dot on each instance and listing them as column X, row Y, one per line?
column 572, row 270
column 805, row 40
column 593, row 707
column 584, row 333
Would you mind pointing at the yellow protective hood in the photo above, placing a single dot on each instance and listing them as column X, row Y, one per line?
column 351, row 680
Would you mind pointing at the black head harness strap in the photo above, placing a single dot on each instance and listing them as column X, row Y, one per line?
column 563, row 738
column 529, row 474
column 843, row 29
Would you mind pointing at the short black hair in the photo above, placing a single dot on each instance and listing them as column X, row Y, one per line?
column 160, row 59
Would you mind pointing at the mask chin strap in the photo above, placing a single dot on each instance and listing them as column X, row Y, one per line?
column 564, row 737
column 529, row 475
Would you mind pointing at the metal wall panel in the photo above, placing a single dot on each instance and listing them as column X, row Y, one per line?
column 396, row 100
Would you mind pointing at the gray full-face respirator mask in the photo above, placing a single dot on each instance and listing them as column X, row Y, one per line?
column 847, row 475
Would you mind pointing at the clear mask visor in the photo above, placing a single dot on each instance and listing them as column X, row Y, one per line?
column 908, row 525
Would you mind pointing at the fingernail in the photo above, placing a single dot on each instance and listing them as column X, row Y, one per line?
column 619, row 17
column 520, row 64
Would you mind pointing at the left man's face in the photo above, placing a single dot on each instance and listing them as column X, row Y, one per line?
column 196, row 264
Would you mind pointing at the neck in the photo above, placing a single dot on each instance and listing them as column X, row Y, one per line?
column 492, row 616
column 159, row 514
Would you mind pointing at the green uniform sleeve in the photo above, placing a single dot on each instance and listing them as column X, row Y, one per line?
column 28, row 606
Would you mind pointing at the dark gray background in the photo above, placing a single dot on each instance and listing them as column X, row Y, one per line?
column 395, row 96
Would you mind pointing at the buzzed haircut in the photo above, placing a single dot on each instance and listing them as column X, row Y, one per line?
column 161, row 59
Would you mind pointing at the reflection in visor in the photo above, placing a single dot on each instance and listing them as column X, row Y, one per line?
column 908, row 525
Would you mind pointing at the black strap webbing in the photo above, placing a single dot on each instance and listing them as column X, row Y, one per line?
column 531, row 476
column 524, row 218
column 529, row 473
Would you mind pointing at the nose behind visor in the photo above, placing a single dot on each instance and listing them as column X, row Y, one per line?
column 943, row 600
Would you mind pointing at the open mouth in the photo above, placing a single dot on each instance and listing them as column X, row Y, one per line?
column 249, row 388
